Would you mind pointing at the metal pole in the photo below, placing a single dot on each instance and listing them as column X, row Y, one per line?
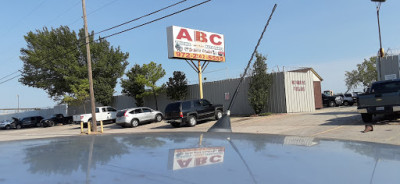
column 200, row 81
column 18, row 102
column 378, row 7
column 89, row 62
column 381, row 52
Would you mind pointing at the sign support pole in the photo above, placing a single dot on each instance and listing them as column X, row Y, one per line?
column 199, row 69
column 200, row 80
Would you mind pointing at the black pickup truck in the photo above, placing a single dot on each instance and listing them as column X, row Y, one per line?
column 56, row 119
column 382, row 98
column 191, row 111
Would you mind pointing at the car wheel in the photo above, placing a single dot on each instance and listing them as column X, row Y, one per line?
column 176, row 125
column 18, row 126
column 332, row 104
column 366, row 117
column 134, row 123
column 192, row 121
column 218, row 115
column 8, row 127
column 51, row 123
column 39, row 124
column 159, row 118
column 346, row 103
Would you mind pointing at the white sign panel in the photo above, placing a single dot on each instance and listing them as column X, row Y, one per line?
column 191, row 44
column 390, row 76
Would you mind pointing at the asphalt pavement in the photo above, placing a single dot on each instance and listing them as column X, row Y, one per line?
column 342, row 123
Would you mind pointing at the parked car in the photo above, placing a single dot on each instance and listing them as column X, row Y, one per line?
column 57, row 118
column 189, row 112
column 134, row 116
column 32, row 121
column 16, row 123
column 6, row 124
column 106, row 114
column 347, row 99
column 331, row 101
column 355, row 96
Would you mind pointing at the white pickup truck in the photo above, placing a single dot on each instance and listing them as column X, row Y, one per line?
column 105, row 114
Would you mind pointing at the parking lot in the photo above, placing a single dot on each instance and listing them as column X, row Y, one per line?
column 337, row 123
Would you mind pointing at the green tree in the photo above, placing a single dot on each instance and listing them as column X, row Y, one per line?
column 177, row 88
column 131, row 87
column 365, row 74
column 79, row 94
column 151, row 74
column 259, row 84
column 55, row 61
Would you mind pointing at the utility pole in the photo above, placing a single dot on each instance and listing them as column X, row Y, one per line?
column 89, row 63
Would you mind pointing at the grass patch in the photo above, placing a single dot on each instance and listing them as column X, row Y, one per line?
column 265, row 114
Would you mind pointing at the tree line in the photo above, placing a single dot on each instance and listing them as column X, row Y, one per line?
column 55, row 60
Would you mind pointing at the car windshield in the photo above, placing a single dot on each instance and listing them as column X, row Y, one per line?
column 173, row 107
column 386, row 87
column 121, row 113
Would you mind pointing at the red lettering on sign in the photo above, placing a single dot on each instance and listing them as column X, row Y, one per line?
column 183, row 33
column 216, row 158
column 201, row 161
column 200, row 37
column 212, row 39
column 184, row 163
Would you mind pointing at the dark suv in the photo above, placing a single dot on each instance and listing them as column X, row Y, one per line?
column 191, row 111
column 331, row 101
column 31, row 121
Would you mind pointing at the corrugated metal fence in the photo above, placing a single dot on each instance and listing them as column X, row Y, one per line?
column 290, row 92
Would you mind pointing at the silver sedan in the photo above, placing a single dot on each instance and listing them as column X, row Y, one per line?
column 134, row 116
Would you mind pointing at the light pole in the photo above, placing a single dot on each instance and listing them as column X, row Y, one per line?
column 18, row 102
column 378, row 7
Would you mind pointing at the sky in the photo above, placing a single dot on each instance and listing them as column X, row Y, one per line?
column 330, row 36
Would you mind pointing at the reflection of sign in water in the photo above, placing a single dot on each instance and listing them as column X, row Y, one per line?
column 194, row 157
column 300, row 141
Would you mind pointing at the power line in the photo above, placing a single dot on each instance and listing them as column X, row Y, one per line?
column 10, row 74
column 27, row 15
column 67, row 10
column 10, row 79
column 155, row 20
column 79, row 45
column 105, row 5
column 141, row 17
